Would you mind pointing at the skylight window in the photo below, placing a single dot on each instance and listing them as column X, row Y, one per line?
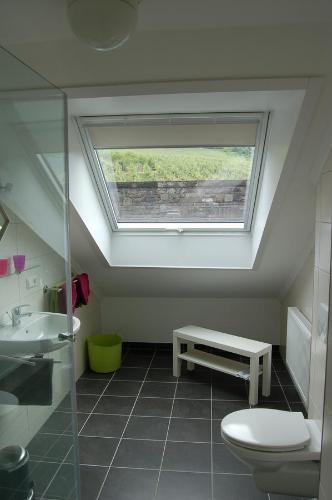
column 177, row 171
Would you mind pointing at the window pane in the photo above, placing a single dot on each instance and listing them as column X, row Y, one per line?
column 200, row 184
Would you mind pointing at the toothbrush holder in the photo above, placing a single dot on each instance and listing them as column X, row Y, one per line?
column 19, row 263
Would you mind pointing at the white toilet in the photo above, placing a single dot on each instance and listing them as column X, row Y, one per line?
column 282, row 448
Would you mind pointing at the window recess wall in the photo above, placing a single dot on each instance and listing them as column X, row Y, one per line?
column 177, row 171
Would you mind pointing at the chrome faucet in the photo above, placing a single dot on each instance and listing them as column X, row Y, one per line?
column 16, row 314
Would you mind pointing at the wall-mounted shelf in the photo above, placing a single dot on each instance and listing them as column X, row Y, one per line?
column 24, row 270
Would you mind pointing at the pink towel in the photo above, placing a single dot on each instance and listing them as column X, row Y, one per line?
column 83, row 289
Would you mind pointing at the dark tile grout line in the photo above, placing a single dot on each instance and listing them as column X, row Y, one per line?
column 289, row 407
column 153, row 355
column 101, row 395
column 55, row 474
column 169, row 470
column 59, row 463
column 123, row 432
column 167, row 433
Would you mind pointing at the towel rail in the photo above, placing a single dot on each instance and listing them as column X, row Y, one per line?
column 56, row 288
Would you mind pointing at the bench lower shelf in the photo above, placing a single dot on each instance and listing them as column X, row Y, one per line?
column 226, row 365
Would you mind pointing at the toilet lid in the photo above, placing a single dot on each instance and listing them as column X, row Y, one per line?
column 266, row 430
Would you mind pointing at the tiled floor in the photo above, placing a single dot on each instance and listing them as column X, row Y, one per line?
column 144, row 435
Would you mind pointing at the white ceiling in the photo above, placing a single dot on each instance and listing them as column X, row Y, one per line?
column 25, row 21
column 177, row 40
column 180, row 40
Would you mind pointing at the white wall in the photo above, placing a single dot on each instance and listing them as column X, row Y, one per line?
column 321, row 293
column 326, row 478
column 48, row 267
column 299, row 295
column 150, row 319
column 323, row 286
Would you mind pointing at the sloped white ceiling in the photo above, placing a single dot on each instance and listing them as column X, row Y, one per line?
column 176, row 40
column 182, row 40
column 288, row 236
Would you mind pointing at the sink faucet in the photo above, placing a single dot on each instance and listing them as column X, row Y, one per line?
column 16, row 314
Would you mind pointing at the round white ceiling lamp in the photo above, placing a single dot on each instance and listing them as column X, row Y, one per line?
column 103, row 24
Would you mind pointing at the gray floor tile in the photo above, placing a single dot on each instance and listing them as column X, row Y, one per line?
column 184, row 486
column 222, row 408
column 193, row 391
column 96, row 450
column 85, row 386
column 91, row 481
column 60, row 449
column 191, row 408
column 158, row 389
column 276, row 395
column 139, row 454
column 225, row 462
column 42, row 473
column 129, row 484
column 284, row 378
column 63, row 486
column 291, row 394
column 137, row 374
column 162, row 362
column 81, row 419
column 236, row 392
column 278, row 364
column 123, row 388
column 147, row 428
column 160, row 375
column 41, row 444
column 282, row 405
column 187, row 457
column 136, row 361
column 85, row 404
column 219, row 378
column 153, row 407
column 198, row 375
column 193, row 430
column 58, row 423
column 105, row 425
column 120, row 405
column 216, row 431
column 236, row 488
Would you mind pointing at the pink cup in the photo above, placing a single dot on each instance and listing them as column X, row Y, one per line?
column 3, row 267
column 19, row 263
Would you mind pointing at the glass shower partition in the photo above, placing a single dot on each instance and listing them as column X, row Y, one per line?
column 38, row 428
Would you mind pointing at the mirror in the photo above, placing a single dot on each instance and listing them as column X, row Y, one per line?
column 4, row 221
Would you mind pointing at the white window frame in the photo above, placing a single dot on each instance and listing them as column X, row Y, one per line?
column 178, row 227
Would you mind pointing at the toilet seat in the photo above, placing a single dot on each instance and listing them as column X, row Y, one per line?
column 267, row 430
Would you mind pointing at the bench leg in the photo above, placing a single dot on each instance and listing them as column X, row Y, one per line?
column 266, row 389
column 254, row 378
column 190, row 366
column 176, row 360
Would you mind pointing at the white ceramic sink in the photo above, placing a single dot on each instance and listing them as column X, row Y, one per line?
column 38, row 333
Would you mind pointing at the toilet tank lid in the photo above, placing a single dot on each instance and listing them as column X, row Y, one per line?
column 266, row 430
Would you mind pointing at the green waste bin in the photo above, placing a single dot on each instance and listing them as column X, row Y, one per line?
column 104, row 352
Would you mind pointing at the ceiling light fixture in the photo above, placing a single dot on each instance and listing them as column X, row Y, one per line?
column 103, row 24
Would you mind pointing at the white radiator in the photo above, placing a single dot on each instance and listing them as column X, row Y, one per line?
column 298, row 350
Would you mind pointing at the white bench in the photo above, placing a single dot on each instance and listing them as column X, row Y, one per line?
column 252, row 349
